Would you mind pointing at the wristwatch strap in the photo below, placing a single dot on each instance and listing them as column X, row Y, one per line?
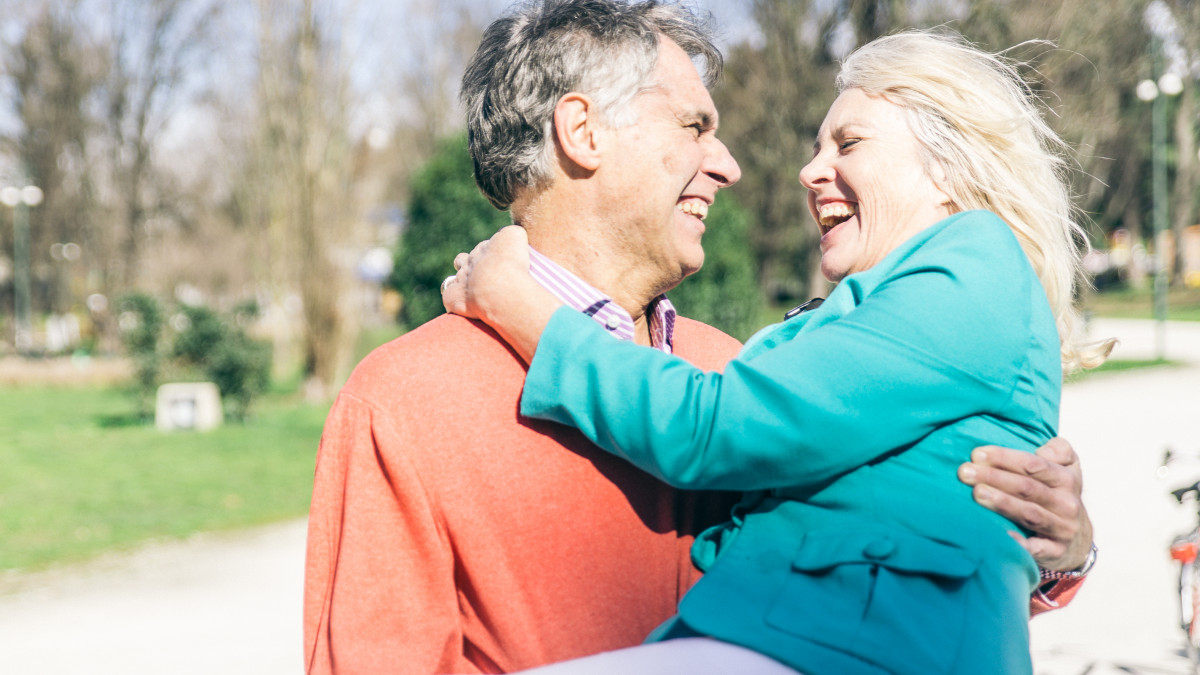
column 1075, row 573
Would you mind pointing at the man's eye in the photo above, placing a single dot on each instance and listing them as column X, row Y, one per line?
column 697, row 128
column 848, row 143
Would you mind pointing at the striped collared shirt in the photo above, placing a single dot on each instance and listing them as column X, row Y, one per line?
column 578, row 294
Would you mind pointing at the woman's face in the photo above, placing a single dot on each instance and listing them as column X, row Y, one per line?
column 869, row 191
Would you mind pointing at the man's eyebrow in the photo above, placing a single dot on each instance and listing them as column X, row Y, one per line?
column 706, row 119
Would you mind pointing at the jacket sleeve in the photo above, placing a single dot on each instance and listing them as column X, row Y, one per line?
column 879, row 378
column 378, row 592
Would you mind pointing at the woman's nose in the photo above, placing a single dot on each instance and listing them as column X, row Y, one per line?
column 816, row 172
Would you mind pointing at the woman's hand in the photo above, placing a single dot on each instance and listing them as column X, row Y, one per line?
column 493, row 285
column 486, row 273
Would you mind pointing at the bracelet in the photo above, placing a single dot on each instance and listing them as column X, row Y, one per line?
column 1078, row 573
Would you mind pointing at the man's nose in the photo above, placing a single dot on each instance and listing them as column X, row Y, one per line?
column 721, row 166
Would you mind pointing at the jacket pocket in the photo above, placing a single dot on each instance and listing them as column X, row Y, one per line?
column 892, row 598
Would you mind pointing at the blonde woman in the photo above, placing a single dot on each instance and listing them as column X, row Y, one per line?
column 946, row 219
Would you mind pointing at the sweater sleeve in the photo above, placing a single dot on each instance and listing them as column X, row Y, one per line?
column 929, row 345
column 1054, row 595
column 379, row 592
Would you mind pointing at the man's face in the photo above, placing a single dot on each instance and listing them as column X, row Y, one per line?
column 667, row 168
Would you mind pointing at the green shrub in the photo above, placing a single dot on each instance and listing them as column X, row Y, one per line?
column 446, row 215
column 220, row 349
column 724, row 293
column 241, row 368
column 140, row 319
column 205, row 346
column 202, row 330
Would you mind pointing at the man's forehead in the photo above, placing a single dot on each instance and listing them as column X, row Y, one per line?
column 686, row 95
column 686, row 103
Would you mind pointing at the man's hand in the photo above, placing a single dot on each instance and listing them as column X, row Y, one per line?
column 1041, row 492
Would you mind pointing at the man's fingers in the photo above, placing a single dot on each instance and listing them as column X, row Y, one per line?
column 1059, row 451
column 1055, row 493
column 1055, row 542
column 1048, row 553
column 1039, row 492
column 1058, row 523
column 995, row 460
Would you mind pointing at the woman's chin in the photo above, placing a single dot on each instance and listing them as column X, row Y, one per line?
column 832, row 271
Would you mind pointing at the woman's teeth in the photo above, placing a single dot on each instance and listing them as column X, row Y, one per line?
column 694, row 208
column 835, row 212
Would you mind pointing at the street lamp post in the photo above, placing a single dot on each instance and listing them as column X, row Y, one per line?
column 19, row 199
column 1168, row 84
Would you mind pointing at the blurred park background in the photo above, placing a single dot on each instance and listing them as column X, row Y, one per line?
column 256, row 194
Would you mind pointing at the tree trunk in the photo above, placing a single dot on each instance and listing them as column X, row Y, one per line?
column 1183, row 201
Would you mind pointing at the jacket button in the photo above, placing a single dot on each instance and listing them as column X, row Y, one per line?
column 879, row 549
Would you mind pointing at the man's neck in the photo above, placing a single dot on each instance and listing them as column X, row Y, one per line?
column 583, row 261
column 581, row 248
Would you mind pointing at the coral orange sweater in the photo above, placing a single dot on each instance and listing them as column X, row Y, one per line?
column 447, row 534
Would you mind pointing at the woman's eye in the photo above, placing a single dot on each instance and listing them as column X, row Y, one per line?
column 846, row 144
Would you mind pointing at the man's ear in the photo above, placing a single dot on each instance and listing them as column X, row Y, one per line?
column 576, row 125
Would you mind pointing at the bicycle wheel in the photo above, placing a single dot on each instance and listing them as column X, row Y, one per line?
column 1189, row 607
column 1185, row 596
column 1193, row 628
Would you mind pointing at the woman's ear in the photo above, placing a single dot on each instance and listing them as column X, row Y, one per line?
column 937, row 173
column 576, row 125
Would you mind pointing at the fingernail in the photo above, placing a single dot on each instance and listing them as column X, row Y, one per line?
column 979, row 455
column 983, row 495
column 967, row 473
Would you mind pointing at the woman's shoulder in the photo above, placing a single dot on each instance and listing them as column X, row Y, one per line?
column 972, row 263
column 977, row 244
column 978, row 227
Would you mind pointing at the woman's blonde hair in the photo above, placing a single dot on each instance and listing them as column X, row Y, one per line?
column 980, row 122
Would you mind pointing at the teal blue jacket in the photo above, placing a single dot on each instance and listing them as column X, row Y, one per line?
column 856, row 549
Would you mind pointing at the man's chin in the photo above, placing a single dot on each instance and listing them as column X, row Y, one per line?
column 687, row 269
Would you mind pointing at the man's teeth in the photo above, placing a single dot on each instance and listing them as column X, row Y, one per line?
column 697, row 209
column 835, row 212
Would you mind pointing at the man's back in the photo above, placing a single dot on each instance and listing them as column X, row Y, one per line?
column 447, row 534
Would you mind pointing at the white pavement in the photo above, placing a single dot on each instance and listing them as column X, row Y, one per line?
column 1125, row 618
column 231, row 603
column 225, row 603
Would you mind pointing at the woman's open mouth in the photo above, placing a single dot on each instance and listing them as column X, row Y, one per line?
column 832, row 214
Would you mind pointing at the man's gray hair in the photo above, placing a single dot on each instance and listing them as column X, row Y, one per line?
column 540, row 51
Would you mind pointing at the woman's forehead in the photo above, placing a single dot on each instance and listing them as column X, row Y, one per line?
column 855, row 109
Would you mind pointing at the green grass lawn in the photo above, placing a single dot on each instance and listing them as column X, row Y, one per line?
column 1183, row 304
column 78, row 478
column 1120, row 365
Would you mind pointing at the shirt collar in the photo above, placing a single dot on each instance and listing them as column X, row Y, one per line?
column 579, row 295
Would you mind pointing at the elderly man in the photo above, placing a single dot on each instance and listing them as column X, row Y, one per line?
column 447, row 534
